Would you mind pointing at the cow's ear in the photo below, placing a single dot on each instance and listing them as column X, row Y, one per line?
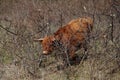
column 39, row 40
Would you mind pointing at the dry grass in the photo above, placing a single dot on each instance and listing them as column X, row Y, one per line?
column 23, row 20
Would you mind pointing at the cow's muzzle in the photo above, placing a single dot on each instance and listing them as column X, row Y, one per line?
column 45, row 52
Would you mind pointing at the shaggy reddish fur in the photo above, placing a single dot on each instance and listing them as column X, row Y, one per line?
column 71, row 35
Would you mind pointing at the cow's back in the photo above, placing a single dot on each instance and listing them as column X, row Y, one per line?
column 81, row 24
column 75, row 31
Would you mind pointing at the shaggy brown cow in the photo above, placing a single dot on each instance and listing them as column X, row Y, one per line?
column 71, row 37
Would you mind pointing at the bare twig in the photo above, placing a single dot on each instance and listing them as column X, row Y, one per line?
column 7, row 30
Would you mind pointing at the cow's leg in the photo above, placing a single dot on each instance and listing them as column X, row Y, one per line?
column 58, row 58
column 67, row 56
column 85, row 51
column 74, row 59
column 85, row 54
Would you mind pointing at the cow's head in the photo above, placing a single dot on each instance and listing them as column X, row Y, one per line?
column 47, row 44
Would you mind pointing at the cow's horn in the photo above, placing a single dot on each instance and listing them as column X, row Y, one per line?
column 40, row 39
